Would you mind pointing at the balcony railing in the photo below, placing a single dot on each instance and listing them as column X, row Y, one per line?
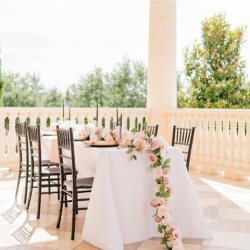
column 221, row 142
column 46, row 116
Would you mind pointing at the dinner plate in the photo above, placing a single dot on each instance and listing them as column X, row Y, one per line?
column 48, row 133
column 79, row 139
column 101, row 144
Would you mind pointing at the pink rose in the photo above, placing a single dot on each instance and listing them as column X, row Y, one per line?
column 142, row 146
column 157, row 188
column 158, row 219
column 169, row 230
column 152, row 158
column 154, row 145
column 109, row 138
column 161, row 201
column 165, row 171
column 157, row 172
column 84, row 133
column 154, row 203
column 165, row 181
column 142, row 135
column 165, row 221
column 176, row 234
column 163, row 210
column 171, row 190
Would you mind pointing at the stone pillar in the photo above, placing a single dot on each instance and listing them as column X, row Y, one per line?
column 162, row 83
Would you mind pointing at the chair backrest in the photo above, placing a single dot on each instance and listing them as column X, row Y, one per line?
column 23, row 144
column 112, row 124
column 153, row 130
column 184, row 137
column 66, row 152
column 35, row 145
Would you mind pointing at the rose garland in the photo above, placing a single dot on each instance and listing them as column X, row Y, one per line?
column 143, row 141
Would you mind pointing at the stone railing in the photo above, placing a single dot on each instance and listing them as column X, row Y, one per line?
column 46, row 116
column 221, row 142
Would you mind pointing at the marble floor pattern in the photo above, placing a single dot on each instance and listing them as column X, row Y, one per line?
column 225, row 204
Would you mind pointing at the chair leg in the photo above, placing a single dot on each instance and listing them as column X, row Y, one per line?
column 66, row 198
column 18, row 182
column 26, row 184
column 39, row 197
column 60, row 209
column 58, row 189
column 30, row 193
column 76, row 202
column 73, row 215
column 49, row 189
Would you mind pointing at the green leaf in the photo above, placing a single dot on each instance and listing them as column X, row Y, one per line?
column 167, row 161
column 134, row 130
column 160, row 229
column 156, row 164
column 134, row 156
column 165, row 194
column 130, row 150
column 162, row 188
column 158, row 194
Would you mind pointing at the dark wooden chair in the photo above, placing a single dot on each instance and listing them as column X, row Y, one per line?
column 39, row 173
column 112, row 124
column 184, row 137
column 23, row 149
column 75, row 186
column 153, row 130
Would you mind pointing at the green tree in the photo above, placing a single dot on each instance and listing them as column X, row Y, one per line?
column 53, row 98
column 1, row 85
column 87, row 90
column 22, row 91
column 215, row 68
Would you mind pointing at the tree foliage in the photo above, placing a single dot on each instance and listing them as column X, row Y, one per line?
column 215, row 69
column 125, row 86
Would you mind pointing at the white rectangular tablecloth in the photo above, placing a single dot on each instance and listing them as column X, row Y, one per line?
column 119, row 211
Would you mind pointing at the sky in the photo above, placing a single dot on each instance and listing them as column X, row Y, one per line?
column 62, row 40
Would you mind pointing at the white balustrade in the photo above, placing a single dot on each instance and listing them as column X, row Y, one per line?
column 10, row 159
column 221, row 142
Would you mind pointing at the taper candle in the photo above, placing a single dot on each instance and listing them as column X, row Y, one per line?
column 121, row 127
column 69, row 115
column 97, row 111
column 117, row 117
column 63, row 109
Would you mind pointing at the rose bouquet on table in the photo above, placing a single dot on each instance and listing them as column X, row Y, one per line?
column 103, row 134
column 156, row 147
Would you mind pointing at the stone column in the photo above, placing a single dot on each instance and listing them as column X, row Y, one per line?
column 162, row 81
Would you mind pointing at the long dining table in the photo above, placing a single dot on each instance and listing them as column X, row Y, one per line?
column 119, row 211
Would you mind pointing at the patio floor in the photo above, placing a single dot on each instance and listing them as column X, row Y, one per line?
column 225, row 203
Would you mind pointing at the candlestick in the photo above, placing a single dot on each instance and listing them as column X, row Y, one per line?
column 121, row 127
column 117, row 117
column 63, row 109
column 96, row 111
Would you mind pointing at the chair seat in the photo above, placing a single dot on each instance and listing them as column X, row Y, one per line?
column 44, row 163
column 81, row 182
column 52, row 171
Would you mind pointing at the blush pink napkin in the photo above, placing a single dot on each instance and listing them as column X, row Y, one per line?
column 54, row 154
